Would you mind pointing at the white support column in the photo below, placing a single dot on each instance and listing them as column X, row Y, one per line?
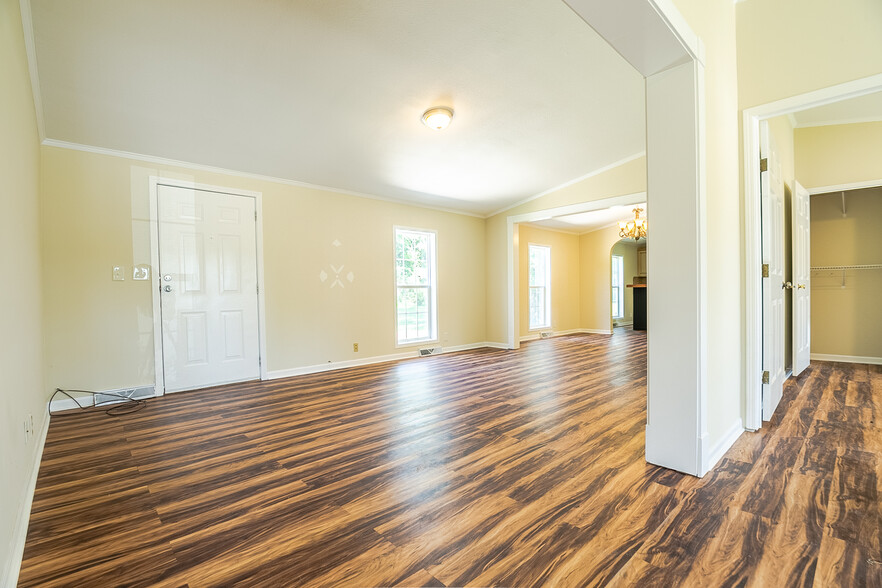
column 676, row 427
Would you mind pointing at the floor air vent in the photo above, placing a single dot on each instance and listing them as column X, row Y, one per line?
column 545, row 334
column 430, row 351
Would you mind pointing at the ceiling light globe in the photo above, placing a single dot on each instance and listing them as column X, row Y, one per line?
column 437, row 118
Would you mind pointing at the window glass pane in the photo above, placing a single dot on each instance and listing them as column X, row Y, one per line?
column 540, row 284
column 414, row 275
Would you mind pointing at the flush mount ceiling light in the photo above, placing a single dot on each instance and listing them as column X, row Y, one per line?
column 633, row 229
column 437, row 118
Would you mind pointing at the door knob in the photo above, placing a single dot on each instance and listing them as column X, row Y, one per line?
column 167, row 288
column 787, row 285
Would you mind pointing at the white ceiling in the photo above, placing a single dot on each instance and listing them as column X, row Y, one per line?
column 585, row 222
column 865, row 108
column 331, row 93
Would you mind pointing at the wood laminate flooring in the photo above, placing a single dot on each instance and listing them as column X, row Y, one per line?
column 480, row 468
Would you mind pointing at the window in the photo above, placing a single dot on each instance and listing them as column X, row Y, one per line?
column 415, row 286
column 618, row 287
column 540, row 286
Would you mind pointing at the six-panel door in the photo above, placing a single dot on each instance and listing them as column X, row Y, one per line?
column 208, row 288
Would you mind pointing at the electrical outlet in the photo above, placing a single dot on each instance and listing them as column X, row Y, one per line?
column 119, row 273
column 355, row 346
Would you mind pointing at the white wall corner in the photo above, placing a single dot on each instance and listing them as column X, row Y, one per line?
column 20, row 533
column 713, row 454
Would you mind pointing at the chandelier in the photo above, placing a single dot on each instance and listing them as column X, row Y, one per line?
column 633, row 229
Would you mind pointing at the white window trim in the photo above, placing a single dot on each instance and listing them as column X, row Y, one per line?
column 433, row 280
column 548, row 322
column 621, row 288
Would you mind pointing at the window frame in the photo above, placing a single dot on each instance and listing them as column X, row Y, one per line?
column 547, row 287
column 432, row 287
column 620, row 287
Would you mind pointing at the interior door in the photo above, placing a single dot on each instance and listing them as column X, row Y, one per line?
column 208, row 288
column 772, row 188
column 801, row 277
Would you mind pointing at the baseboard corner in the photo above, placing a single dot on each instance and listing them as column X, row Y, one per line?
column 20, row 532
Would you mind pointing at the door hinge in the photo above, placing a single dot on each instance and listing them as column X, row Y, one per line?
column 255, row 215
column 765, row 377
column 764, row 165
column 765, row 270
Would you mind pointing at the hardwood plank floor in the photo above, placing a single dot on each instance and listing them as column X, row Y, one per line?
column 485, row 468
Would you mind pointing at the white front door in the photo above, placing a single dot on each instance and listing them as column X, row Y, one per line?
column 772, row 187
column 801, row 280
column 208, row 288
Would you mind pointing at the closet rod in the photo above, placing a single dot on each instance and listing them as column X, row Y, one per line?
column 847, row 267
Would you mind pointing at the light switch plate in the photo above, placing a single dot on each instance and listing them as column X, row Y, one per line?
column 141, row 272
column 119, row 273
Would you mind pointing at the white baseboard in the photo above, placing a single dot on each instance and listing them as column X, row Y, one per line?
column 495, row 345
column 534, row 336
column 20, row 534
column 337, row 365
column 596, row 331
column 715, row 454
column 847, row 358
column 624, row 323
column 61, row 402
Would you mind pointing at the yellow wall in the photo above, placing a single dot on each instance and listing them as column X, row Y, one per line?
column 790, row 47
column 714, row 22
column 629, row 178
column 627, row 248
column 847, row 321
column 839, row 154
column 99, row 332
column 596, row 263
column 564, row 278
column 21, row 357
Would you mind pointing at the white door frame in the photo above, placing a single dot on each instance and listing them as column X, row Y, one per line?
column 155, row 182
column 657, row 41
column 753, row 226
column 512, row 277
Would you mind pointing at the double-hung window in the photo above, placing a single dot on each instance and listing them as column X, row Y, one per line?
column 540, row 286
column 415, row 286
column 618, row 287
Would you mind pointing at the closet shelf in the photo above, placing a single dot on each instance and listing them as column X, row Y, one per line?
column 823, row 268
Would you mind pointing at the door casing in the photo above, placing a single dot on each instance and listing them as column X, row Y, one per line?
column 155, row 182
column 753, row 328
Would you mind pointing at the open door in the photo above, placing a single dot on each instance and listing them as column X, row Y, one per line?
column 772, row 190
column 801, row 276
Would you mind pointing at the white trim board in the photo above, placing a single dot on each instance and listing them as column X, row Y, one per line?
column 60, row 402
column 715, row 454
column 845, row 187
column 20, row 532
column 537, row 336
column 847, row 358
column 155, row 182
column 349, row 363
column 753, row 331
